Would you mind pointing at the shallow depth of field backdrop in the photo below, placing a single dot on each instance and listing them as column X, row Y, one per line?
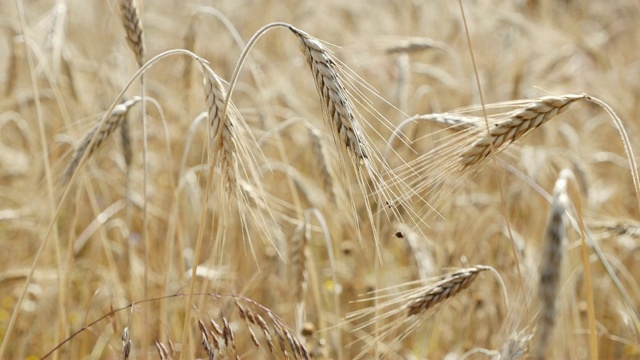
column 300, row 247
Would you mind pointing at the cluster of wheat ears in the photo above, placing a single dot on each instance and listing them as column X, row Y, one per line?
column 247, row 216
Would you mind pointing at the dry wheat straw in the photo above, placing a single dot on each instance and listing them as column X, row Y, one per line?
column 516, row 125
column 444, row 290
column 12, row 67
column 550, row 269
column 133, row 29
column 117, row 117
column 335, row 100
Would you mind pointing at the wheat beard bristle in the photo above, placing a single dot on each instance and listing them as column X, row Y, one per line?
column 517, row 124
column 334, row 96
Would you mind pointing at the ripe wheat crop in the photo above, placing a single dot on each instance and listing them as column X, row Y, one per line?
column 327, row 180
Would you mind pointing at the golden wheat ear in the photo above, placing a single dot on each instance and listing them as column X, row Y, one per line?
column 515, row 125
column 89, row 146
column 401, row 310
column 133, row 28
column 335, row 100
column 222, row 130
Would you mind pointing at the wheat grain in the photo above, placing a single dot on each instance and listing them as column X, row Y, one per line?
column 204, row 337
column 517, row 124
column 133, row 29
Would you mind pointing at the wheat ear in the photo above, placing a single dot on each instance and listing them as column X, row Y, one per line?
column 133, row 28
column 335, row 100
column 551, row 266
column 117, row 117
column 444, row 290
column 126, row 344
column 222, row 136
column 516, row 125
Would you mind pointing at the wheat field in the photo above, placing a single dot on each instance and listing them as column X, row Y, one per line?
column 319, row 180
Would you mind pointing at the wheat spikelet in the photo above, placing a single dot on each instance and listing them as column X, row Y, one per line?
column 116, row 118
column 516, row 125
column 549, row 284
column 220, row 338
column 133, row 29
column 335, row 100
column 163, row 352
column 444, row 290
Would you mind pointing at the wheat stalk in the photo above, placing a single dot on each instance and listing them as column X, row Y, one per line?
column 517, row 124
column 133, row 29
column 550, row 269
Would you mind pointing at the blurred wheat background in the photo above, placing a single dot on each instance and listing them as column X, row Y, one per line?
column 314, row 220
